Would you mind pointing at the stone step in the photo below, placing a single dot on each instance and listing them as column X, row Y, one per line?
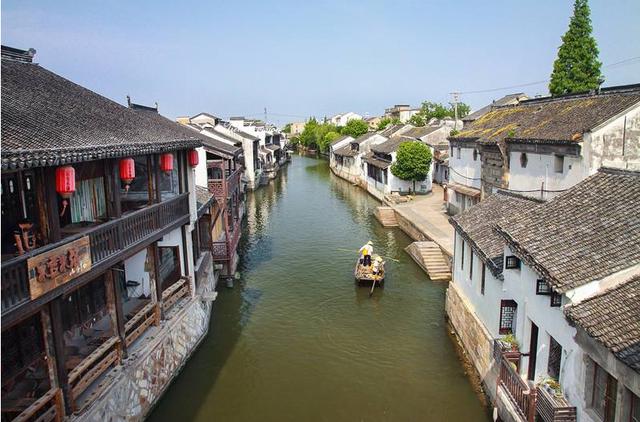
column 386, row 216
column 431, row 259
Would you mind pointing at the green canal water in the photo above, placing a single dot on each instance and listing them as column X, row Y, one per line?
column 295, row 340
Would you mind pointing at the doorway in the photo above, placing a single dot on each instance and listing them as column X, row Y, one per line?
column 533, row 352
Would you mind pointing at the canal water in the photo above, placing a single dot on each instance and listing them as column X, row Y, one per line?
column 295, row 340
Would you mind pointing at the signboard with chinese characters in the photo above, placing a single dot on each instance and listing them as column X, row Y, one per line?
column 58, row 266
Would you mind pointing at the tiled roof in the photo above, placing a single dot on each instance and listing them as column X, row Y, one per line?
column 507, row 99
column 391, row 145
column 346, row 151
column 476, row 225
column 371, row 159
column 392, row 129
column 203, row 199
column 210, row 142
column 563, row 119
column 360, row 139
column 419, row 132
column 222, row 135
column 613, row 319
column 48, row 120
column 583, row 234
column 340, row 139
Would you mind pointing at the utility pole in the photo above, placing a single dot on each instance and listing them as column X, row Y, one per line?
column 265, row 117
column 455, row 96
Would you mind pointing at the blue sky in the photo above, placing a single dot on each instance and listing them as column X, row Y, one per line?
column 319, row 58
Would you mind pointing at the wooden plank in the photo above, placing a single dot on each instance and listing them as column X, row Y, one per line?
column 114, row 290
column 52, row 204
column 92, row 358
column 137, row 332
column 59, row 348
column 47, row 399
column 94, row 373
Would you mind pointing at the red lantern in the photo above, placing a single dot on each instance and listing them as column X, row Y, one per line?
column 127, row 171
column 65, row 181
column 193, row 158
column 166, row 162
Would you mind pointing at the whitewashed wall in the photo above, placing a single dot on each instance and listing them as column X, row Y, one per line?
column 540, row 170
column 465, row 166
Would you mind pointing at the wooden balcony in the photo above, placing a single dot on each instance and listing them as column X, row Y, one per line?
column 224, row 250
column 47, row 408
column 554, row 409
column 516, row 389
column 108, row 243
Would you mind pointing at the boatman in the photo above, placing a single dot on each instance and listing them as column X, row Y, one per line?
column 365, row 253
column 377, row 263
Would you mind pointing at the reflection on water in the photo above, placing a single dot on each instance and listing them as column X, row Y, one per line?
column 296, row 340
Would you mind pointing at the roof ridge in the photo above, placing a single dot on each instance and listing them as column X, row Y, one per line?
column 619, row 172
column 620, row 285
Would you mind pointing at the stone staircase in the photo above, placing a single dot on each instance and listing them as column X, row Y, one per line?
column 431, row 259
column 386, row 216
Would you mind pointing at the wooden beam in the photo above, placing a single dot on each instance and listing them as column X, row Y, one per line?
column 156, row 276
column 113, row 282
column 52, row 204
column 157, row 176
column 55, row 310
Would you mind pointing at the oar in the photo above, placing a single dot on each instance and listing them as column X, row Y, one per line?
column 351, row 250
column 373, row 286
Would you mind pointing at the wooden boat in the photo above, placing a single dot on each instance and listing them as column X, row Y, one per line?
column 364, row 275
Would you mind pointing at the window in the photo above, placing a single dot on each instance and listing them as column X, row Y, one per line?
column 555, row 357
column 508, row 309
column 482, row 279
column 462, row 256
column 458, row 151
column 542, row 287
column 451, row 154
column 523, row 160
column 603, row 397
column 169, row 265
column 475, row 155
column 512, row 262
column 558, row 163
column 169, row 184
column 470, row 264
column 556, row 299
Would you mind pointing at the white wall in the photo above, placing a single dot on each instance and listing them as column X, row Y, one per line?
column 465, row 166
column 174, row 238
column 540, row 169
column 201, row 169
column 486, row 306
column 134, row 270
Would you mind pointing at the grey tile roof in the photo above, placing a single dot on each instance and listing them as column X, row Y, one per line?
column 391, row 129
column 346, row 151
column 583, row 234
column 222, row 135
column 419, row 132
column 340, row 139
column 476, row 225
column 48, row 120
column 507, row 99
column 563, row 119
column 392, row 144
column 203, row 199
column 371, row 159
column 360, row 139
column 613, row 319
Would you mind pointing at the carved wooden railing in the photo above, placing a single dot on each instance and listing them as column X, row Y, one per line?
column 516, row 389
column 554, row 409
column 106, row 240
column 94, row 365
column 44, row 409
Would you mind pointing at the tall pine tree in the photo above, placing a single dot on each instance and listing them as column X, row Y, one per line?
column 577, row 67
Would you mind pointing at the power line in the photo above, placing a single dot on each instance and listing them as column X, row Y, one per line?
column 621, row 63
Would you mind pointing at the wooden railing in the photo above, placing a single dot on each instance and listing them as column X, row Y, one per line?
column 46, row 408
column 516, row 389
column 223, row 250
column 94, row 365
column 142, row 320
column 554, row 409
column 106, row 240
column 175, row 292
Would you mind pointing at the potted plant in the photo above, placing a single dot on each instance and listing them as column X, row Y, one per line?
column 510, row 342
column 552, row 386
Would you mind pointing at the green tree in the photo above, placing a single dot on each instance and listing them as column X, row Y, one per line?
column 386, row 121
column 287, row 128
column 355, row 128
column 416, row 120
column 327, row 139
column 463, row 110
column 577, row 67
column 413, row 162
column 308, row 136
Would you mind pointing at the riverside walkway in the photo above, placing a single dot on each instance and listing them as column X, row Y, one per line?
column 427, row 214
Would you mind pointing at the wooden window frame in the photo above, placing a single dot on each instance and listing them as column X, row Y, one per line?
column 555, row 301
column 512, row 262
column 505, row 304
column 178, row 269
column 543, row 288
column 550, row 357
